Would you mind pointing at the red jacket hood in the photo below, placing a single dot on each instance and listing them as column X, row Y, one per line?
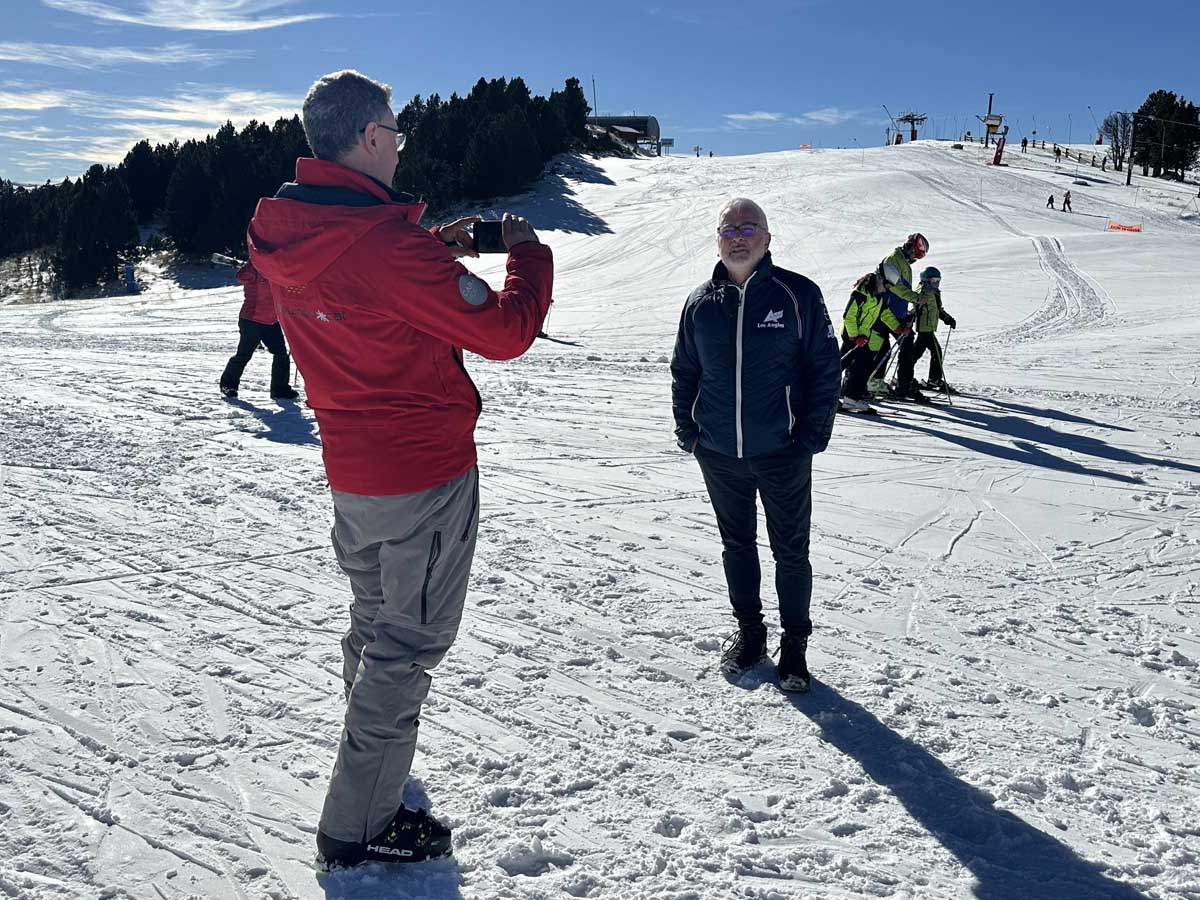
column 293, row 241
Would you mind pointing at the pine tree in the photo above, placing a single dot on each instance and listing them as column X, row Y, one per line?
column 189, row 198
column 98, row 225
column 139, row 170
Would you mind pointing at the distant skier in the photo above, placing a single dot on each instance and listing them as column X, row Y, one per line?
column 1057, row 153
column 1024, row 145
column 257, row 324
column 929, row 313
column 754, row 391
column 865, row 328
column 1066, row 204
column 1050, row 202
column 896, row 272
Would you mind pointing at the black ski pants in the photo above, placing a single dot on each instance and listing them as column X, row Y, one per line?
column 784, row 482
column 252, row 334
column 911, row 351
column 857, row 363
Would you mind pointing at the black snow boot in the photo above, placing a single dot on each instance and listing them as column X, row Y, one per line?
column 284, row 393
column 793, row 667
column 412, row 836
column 229, row 390
column 744, row 649
column 913, row 394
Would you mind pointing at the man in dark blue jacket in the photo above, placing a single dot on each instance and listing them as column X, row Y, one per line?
column 754, row 385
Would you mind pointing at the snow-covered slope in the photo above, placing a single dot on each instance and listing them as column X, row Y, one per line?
column 1005, row 592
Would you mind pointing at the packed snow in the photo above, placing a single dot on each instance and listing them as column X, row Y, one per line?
column 1006, row 589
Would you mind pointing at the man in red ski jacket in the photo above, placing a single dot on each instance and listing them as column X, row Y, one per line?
column 257, row 324
column 378, row 312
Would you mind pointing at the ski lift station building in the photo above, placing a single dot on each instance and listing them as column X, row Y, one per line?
column 641, row 131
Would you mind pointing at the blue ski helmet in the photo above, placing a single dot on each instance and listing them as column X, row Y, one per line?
column 929, row 274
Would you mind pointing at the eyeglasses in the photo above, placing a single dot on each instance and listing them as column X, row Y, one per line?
column 747, row 229
column 401, row 137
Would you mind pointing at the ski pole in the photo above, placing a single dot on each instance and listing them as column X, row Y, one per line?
column 894, row 351
column 942, row 353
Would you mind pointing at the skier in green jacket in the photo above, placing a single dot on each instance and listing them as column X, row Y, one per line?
column 929, row 313
column 896, row 272
column 866, row 324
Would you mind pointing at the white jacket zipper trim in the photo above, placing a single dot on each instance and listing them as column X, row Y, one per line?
column 738, row 380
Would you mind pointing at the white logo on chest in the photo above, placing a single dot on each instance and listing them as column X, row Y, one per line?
column 774, row 319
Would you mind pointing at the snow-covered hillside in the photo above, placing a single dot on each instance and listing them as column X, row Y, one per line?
column 1006, row 590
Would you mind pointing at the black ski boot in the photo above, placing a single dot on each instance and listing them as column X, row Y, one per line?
column 284, row 393
column 229, row 391
column 412, row 836
column 940, row 387
column 744, row 649
column 793, row 667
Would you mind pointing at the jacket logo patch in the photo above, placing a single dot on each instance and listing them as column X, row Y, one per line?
column 774, row 319
column 473, row 290
column 299, row 312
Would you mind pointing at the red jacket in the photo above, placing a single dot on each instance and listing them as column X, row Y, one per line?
column 258, row 305
column 377, row 312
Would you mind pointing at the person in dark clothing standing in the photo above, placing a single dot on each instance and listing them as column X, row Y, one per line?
column 257, row 324
column 754, row 389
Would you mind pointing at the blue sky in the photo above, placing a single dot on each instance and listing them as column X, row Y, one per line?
column 82, row 80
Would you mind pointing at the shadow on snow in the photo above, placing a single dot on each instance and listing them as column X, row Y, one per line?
column 551, row 205
column 1025, row 436
column 286, row 425
column 1009, row 857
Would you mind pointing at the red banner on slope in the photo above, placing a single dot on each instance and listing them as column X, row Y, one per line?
column 1117, row 226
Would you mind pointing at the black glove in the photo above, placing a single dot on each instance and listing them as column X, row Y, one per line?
column 949, row 320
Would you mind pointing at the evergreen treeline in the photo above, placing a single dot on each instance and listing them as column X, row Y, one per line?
column 494, row 141
column 1167, row 135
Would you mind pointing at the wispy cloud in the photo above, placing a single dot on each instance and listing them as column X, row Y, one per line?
column 752, row 118
column 102, row 127
column 826, row 115
column 36, row 135
column 191, row 15
column 35, row 100
column 70, row 56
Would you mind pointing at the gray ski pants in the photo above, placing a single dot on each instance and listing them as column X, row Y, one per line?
column 408, row 558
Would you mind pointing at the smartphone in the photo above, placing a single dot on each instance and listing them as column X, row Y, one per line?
column 488, row 237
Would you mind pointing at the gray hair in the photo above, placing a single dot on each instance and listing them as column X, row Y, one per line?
column 338, row 107
column 743, row 203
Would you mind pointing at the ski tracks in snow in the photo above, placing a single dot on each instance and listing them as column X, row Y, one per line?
column 1006, row 664
column 1074, row 301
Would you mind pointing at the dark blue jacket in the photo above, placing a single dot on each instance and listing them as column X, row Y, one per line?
column 756, row 369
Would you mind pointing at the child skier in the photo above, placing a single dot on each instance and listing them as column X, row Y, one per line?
column 929, row 313
column 865, row 326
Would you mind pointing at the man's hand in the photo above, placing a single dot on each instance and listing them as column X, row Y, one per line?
column 860, row 341
column 906, row 328
column 515, row 230
column 457, row 236
column 950, row 321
